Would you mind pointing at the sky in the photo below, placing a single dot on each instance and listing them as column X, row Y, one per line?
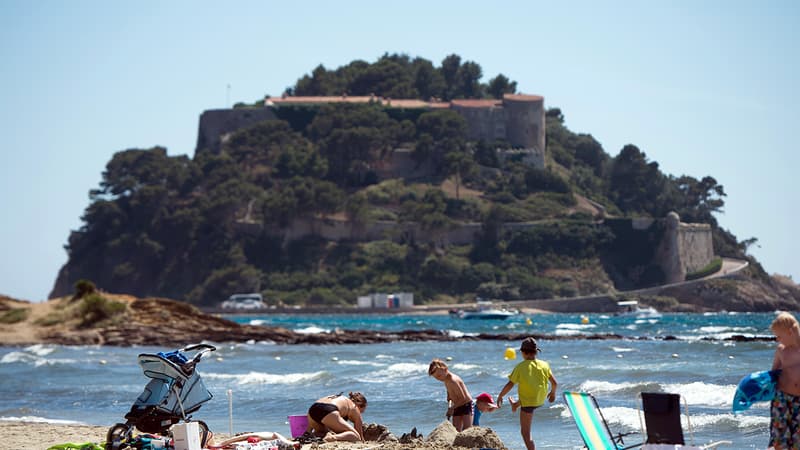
column 702, row 88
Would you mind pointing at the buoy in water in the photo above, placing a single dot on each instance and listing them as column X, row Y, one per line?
column 584, row 320
column 528, row 321
column 510, row 353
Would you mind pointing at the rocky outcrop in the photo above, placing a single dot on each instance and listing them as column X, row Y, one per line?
column 169, row 323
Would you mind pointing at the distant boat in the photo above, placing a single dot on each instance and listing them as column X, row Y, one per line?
column 632, row 308
column 485, row 310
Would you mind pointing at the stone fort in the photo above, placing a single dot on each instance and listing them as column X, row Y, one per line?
column 518, row 119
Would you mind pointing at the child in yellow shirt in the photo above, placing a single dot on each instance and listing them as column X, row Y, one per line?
column 532, row 377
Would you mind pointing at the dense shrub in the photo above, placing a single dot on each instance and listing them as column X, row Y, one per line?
column 714, row 266
column 95, row 309
column 14, row 315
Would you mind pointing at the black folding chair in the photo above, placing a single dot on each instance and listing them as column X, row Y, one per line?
column 662, row 420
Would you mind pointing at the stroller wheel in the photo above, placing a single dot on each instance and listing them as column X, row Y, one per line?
column 205, row 433
column 118, row 435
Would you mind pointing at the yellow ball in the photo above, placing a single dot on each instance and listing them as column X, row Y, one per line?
column 510, row 353
column 528, row 321
column 584, row 320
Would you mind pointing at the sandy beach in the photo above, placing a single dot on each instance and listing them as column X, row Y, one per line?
column 39, row 436
column 20, row 435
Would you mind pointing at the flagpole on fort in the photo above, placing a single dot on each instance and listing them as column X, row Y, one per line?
column 228, row 96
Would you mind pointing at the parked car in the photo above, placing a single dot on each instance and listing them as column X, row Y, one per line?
column 244, row 301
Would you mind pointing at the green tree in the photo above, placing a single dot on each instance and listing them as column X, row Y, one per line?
column 637, row 185
column 500, row 85
column 468, row 84
column 439, row 133
column 459, row 164
column 428, row 81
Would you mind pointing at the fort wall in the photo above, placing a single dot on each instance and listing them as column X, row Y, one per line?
column 216, row 124
column 525, row 121
column 696, row 246
column 517, row 119
column 684, row 248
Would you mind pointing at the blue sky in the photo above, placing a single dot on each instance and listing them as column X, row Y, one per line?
column 703, row 88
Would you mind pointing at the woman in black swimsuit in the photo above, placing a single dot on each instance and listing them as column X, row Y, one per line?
column 328, row 417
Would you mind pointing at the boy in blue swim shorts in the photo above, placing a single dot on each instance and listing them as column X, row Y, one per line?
column 784, row 430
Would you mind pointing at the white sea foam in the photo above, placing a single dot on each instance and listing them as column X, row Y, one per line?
column 567, row 332
column 651, row 320
column 462, row 367
column 595, row 386
column 699, row 393
column 695, row 393
column 40, row 349
column 396, row 371
column 17, row 357
column 37, row 361
column 268, row 378
column 723, row 329
column 572, row 329
column 458, row 333
column 575, row 326
column 37, row 419
column 621, row 417
column 352, row 362
column 622, row 349
column 312, row 330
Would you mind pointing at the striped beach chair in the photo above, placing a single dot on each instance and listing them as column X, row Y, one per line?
column 592, row 425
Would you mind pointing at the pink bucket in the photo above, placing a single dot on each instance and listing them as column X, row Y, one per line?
column 298, row 425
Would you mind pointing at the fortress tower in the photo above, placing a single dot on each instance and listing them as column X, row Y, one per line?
column 524, row 119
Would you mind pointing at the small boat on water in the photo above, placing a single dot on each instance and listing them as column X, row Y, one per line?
column 485, row 310
column 632, row 308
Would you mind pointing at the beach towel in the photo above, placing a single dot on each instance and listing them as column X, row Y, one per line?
column 70, row 446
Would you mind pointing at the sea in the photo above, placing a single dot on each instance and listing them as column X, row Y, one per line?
column 257, row 385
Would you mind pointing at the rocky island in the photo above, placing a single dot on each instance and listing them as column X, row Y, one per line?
column 99, row 318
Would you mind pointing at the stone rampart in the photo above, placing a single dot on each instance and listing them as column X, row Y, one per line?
column 525, row 120
column 684, row 248
column 216, row 124
column 399, row 164
column 344, row 230
column 696, row 246
column 485, row 120
column 517, row 119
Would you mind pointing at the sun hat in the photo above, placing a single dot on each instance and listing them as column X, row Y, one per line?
column 486, row 397
column 529, row 345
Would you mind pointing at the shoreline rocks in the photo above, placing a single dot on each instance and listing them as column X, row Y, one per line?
column 169, row 323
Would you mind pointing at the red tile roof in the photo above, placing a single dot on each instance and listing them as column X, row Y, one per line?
column 523, row 97
column 477, row 103
column 401, row 103
column 321, row 99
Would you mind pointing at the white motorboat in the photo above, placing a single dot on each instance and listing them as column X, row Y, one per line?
column 485, row 310
column 633, row 308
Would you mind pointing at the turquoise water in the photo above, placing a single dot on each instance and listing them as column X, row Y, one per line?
column 97, row 385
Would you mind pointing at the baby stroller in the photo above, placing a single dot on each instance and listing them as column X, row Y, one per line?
column 174, row 391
